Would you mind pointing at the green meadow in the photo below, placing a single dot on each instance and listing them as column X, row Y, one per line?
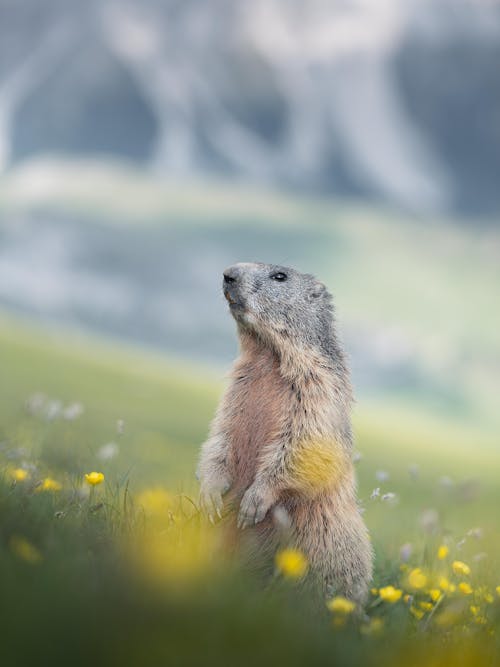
column 70, row 594
column 126, row 570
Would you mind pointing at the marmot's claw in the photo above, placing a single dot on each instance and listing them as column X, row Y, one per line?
column 254, row 507
column 211, row 503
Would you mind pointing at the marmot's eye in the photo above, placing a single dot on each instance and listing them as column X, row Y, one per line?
column 279, row 276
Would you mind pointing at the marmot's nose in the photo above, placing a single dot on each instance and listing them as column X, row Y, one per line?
column 231, row 275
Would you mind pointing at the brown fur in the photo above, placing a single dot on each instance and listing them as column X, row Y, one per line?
column 281, row 439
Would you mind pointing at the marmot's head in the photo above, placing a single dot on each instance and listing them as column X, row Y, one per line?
column 278, row 302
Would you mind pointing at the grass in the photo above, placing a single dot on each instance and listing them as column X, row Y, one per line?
column 128, row 571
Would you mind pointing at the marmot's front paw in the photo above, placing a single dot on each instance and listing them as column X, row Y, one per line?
column 254, row 505
column 211, row 497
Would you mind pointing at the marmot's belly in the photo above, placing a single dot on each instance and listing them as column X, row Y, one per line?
column 250, row 434
column 256, row 423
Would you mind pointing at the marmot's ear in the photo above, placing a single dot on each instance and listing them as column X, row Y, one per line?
column 317, row 290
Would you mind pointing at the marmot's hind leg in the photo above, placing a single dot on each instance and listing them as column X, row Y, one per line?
column 337, row 545
column 348, row 570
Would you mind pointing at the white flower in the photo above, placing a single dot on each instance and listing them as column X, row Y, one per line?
column 375, row 493
column 53, row 409
column 429, row 520
column 108, row 451
column 36, row 403
column 405, row 552
column 475, row 532
column 390, row 497
column 382, row 475
column 356, row 457
column 73, row 411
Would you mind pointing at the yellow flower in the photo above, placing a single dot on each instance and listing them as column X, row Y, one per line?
column 19, row 474
column 94, row 478
column 435, row 594
column 341, row 605
column 407, row 598
column 390, row 594
column 474, row 610
column 426, row 606
column 374, row 591
column 417, row 579
column 460, row 568
column 25, row 550
column 443, row 551
column 155, row 502
column 464, row 588
column 444, row 584
column 291, row 563
column 49, row 484
column 483, row 592
column 498, row 590
column 418, row 613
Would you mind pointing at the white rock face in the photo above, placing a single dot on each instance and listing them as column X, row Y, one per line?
column 386, row 100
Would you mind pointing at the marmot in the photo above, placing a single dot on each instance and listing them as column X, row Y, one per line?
column 281, row 440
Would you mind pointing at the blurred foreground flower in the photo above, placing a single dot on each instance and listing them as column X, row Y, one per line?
column 73, row 411
column 94, row 478
column 460, row 568
column 49, row 484
column 341, row 605
column 417, row 579
column 429, row 521
column 390, row 594
column 291, row 563
column 177, row 555
column 108, row 451
column 24, row 550
column 435, row 594
column 405, row 552
column 442, row 552
column 155, row 502
column 19, row 474
column 465, row 588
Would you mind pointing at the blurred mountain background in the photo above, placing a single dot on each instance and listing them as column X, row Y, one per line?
column 387, row 101
column 146, row 144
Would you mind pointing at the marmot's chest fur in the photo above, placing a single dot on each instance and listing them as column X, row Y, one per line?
column 260, row 399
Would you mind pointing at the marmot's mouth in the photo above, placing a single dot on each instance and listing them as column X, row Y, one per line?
column 232, row 302
column 229, row 297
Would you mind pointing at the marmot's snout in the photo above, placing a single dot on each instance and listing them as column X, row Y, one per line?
column 231, row 286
